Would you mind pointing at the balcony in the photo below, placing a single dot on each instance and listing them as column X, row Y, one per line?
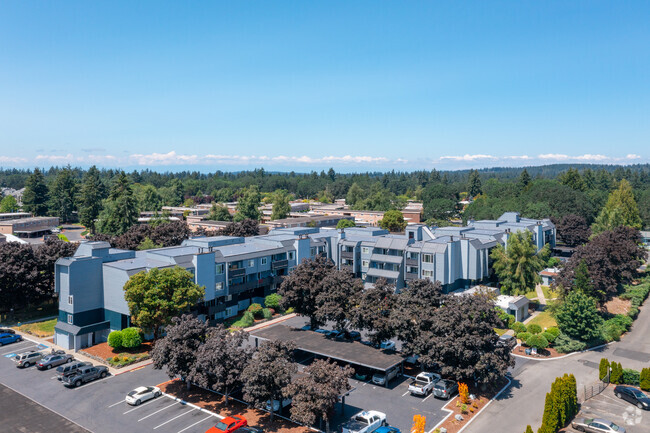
column 276, row 264
column 347, row 255
column 412, row 262
column 249, row 285
column 347, row 268
column 411, row 276
column 233, row 273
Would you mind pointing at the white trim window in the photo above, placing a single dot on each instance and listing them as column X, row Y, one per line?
column 251, row 263
column 218, row 269
column 292, row 255
column 427, row 258
column 264, row 260
column 365, row 250
column 427, row 273
column 70, row 300
column 70, row 319
column 218, row 286
column 365, row 263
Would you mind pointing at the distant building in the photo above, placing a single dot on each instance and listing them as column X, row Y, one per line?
column 29, row 227
column 14, row 215
column 515, row 305
column 549, row 275
column 308, row 221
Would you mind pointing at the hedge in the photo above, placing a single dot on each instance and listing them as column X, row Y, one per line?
column 636, row 294
column 115, row 339
column 518, row 327
column 267, row 313
column 630, row 377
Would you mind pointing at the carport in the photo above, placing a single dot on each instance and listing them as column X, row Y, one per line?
column 349, row 352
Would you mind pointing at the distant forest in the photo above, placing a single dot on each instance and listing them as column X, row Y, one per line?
column 541, row 191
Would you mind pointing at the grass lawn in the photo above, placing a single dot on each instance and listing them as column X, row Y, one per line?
column 543, row 319
column 500, row 331
column 40, row 329
column 532, row 294
column 548, row 293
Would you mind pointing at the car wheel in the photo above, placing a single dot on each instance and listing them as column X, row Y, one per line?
column 157, row 394
column 48, row 366
column 618, row 394
column 137, row 402
column 27, row 364
column 77, row 383
column 69, row 360
column 103, row 375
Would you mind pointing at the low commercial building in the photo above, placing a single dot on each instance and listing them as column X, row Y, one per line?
column 308, row 221
column 29, row 227
column 14, row 215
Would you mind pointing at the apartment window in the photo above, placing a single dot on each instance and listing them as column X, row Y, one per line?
column 190, row 270
column 427, row 258
column 218, row 286
column 70, row 300
column 292, row 255
column 264, row 260
column 251, row 263
column 70, row 319
column 427, row 273
column 312, row 251
column 218, row 269
column 365, row 263
column 290, row 270
column 365, row 250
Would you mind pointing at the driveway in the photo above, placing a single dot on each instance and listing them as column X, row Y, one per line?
column 532, row 379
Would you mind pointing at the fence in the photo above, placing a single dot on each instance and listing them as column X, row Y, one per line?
column 590, row 391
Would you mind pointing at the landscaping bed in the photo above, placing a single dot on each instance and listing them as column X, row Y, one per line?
column 472, row 409
column 105, row 354
column 216, row 403
column 617, row 306
column 541, row 354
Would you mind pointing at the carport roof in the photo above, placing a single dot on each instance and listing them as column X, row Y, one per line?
column 352, row 352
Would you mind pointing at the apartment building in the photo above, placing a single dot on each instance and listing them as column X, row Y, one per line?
column 238, row 271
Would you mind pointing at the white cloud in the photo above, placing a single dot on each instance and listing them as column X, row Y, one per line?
column 56, row 158
column 632, row 156
column 173, row 158
column 468, row 157
column 12, row 159
column 555, row 156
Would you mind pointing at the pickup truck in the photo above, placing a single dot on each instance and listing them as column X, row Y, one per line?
column 85, row 374
column 423, row 384
column 364, row 422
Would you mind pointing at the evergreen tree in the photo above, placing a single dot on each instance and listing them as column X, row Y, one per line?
column 90, row 199
column 62, row 195
column 474, row 184
column 582, row 281
column 529, row 429
column 518, row 265
column 120, row 209
column 524, row 180
column 578, row 317
column 644, row 379
column 620, row 210
column 603, row 368
column 550, row 417
column 150, row 199
column 572, row 179
column 36, row 196
column 248, row 204
column 281, row 206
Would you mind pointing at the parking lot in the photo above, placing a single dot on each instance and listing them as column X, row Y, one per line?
column 99, row 405
column 606, row 405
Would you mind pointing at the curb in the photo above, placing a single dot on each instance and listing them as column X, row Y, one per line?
column 270, row 322
column 563, row 356
column 136, row 367
column 181, row 401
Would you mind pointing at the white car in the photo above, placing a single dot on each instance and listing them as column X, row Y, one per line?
column 276, row 404
column 387, row 345
column 364, row 422
column 142, row 394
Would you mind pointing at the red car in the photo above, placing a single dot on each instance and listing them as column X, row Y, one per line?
column 228, row 424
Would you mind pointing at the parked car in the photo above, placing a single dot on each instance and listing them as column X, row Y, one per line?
column 7, row 331
column 387, row 429
column 85, row 374
column 596, row 425
column 26, row 359
column 364, row 422
column 362, row 374
column 382, row 378
column 424, row 383
column 633, row 395
column 276, row 404
column 248, row 429
column 54, row 359
column 229, row 424
column 322, row 331
column 445, row 389
column 7, row 338
column 412, row 359
column 68, row 369
column 142, row 394
column 507, row 341
column 387, row 345
column 348, row 336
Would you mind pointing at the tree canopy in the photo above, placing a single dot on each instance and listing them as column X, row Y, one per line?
column 393, row 221
column 620, row 210
column 36, row 195
column 518, row 264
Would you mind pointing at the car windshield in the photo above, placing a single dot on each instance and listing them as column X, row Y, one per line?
column 614, row 427
column 222, row 426
column 132, row 393
column 637, row 393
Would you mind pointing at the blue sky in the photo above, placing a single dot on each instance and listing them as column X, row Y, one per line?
column 307, row 85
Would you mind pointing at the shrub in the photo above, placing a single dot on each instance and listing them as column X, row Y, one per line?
column 611, row 330
column 256, row 310
column 116, row 358
column 115, row 339
column 289, row 310
column 549, row 337
column 603, row 368
column 125, row 359
column 246, row 321
column 518, row 327
column 523, row 336
column 534, row 328
column 617, row 373
column 131, row 338
column 644, row 379
column 538, row 341
column 566, row 344
column 463, row 393
column 630, row 377
column 463, row 409
column 272, row 301
column 553, row 330
column 267, row 313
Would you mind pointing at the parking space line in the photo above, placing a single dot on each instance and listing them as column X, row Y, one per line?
column 405, row 393
column 427, row 397
column 21, row 349
column 198, row 422
column 159, row 410
column 137, row 407
column 168, row 421
column 115, row 404
column 94, row 382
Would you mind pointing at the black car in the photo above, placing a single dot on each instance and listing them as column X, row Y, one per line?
column 633, row 395
column 7, row 331
column 348, row 336
column 248, row 429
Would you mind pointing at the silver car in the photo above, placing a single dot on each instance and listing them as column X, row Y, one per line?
column 54, row 360
column 596, row 425
column 26, row 359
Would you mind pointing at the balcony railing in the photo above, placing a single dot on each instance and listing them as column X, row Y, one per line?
column 233, row 273
column 279, row 264
column 248, row 285
column 412, row 262
column 411, row 276
column 347, row 254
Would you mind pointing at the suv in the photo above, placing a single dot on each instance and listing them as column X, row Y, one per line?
column 66, row 370
column 26, row 359
column 507, row 341
column 54, row 359
column 85, row 374
column 382, row 378
column 445, row 388
column 9, row 338
column 7, row 331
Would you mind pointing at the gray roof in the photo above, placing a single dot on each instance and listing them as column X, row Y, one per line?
column 382, row 273
column 392, row 243
column 138, row 263
column 396, row 260
column 347, row 351
column 80, row 330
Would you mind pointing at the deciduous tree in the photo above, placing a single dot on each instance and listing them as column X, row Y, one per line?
column 578, row 317
column 393, row 221
column 156, row 296
column 281, row 206
column 573, row 230
column 8, row 204
column 620, row 210
column 338, row 295
column 248, row 204
column 374, row 312
column 344, row 224
column 219, row 213
column 268, row 373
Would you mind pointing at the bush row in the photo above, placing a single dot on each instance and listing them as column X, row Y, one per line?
column 636, row 294
column 624, row 376
column 561, row 404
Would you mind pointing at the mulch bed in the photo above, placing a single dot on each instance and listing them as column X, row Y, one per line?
column 216, row 403
column 541, row 354
column 617, row 306
column 482, row 398
column 103, row 350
